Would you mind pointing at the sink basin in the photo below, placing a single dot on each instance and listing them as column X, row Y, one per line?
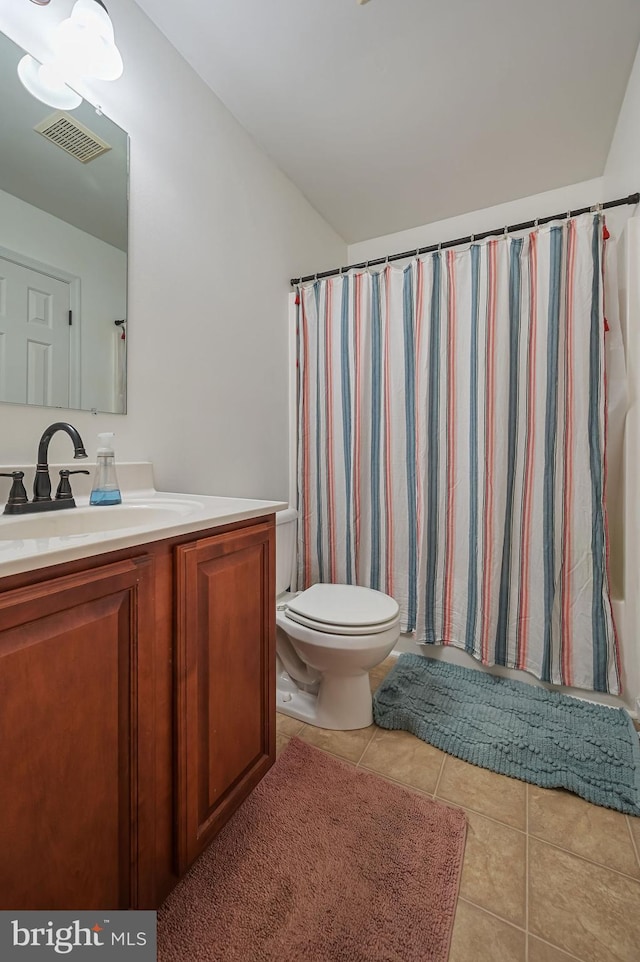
column 32, row 541
column 95, row 520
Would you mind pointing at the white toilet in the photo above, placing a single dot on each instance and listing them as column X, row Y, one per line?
column 327, row 640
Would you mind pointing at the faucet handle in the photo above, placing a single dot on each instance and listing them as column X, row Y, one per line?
column 18, row 494
column 64, row 492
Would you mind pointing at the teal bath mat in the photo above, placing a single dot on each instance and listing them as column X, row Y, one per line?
column 515, row 729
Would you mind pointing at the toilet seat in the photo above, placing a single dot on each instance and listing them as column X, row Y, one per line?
column 343, row 610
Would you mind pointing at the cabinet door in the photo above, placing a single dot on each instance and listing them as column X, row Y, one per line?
column 225, row 679
column 69, row 739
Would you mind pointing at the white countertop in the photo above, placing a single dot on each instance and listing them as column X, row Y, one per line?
column 38, row 540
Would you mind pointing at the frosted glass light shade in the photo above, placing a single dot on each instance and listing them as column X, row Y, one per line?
column 45, row 84
column 84, row 44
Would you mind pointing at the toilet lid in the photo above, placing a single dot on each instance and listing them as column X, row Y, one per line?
column 347, row 609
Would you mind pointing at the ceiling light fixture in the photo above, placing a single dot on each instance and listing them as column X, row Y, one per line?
column 83, row 46
column 45, row 84
column 84, row 43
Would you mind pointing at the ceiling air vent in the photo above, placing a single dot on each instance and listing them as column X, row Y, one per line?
column 69, row 134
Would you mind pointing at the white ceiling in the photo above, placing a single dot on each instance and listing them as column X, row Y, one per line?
column 402, row 112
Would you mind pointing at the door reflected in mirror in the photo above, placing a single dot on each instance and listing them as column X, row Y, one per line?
column 63, row 251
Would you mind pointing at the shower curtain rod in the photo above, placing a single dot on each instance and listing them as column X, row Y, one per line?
column 513, row 228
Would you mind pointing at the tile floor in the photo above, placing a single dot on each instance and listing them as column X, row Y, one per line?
column 547, row 877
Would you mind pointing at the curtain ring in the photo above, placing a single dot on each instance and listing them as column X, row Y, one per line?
column 473, row 237
column 417, row 252
column 315, row 279
column 506, row 231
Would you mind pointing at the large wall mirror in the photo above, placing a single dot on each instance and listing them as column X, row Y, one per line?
column 63, row 251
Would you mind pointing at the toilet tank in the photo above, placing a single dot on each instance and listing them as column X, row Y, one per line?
column 286, row 529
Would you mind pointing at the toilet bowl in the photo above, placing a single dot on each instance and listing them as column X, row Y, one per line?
column 328, row 638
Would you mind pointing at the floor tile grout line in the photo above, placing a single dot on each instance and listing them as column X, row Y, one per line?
column 439, row 799
column 553, row 945
column 442, row 763
column 388, row 778
column 636, row 848
column 279, row 731
column 373, row 735
column 476, row 811
column 289, row 734
column 341, row 758
column 462, row 898
column 398, row 782
column 583, row 858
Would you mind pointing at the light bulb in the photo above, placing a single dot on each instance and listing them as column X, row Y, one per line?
column 84, row 43
column 44, row 82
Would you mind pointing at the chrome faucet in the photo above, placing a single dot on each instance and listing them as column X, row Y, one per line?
column 42, row 501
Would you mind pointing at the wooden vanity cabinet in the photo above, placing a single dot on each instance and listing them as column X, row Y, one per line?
column 137, row 711
column 74, row 669
column 225, row 680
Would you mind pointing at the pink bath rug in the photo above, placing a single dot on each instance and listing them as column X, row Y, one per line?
column 323, row 863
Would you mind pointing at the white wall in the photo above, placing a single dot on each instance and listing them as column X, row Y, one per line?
column 622, row 172
column 102, row 270
column 216, row 231
column 573, row 197
column 622, row 177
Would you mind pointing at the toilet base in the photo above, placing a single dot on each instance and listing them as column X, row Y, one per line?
column 343, row 702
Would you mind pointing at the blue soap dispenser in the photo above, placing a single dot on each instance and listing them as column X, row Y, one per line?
column 106, row 489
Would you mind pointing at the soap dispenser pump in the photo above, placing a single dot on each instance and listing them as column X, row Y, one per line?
column 106, row 489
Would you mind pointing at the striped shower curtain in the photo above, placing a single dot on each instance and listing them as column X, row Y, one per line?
column 451, row 434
